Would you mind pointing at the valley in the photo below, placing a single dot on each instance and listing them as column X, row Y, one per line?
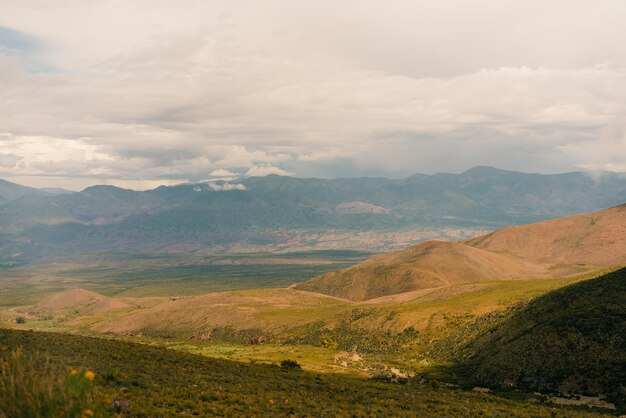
column 312, row 209
column 432, row 316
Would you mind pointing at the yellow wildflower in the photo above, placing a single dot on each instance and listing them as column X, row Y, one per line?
column 73, row 372
column 89, row 375
column 87, row 413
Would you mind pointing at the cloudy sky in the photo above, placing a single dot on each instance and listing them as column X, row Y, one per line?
column 145, row 92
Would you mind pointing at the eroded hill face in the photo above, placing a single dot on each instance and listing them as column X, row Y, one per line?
column 553, row 248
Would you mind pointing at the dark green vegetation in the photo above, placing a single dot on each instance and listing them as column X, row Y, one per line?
column 172, row 275
column 267, row 212
column 160, row 382
column 571, row 340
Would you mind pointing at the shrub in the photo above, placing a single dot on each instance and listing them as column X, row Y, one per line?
column 20, row 320
column 32, row 387
column 290, row 364
column 327, row 342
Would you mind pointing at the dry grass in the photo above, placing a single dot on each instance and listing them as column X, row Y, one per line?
column 31, row 386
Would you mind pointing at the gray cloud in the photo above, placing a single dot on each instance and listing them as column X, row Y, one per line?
column 319, row 89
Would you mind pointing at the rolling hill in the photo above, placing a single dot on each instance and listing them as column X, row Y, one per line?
column 78, row 299
column 250, row 312
column 597, row 238
column 553, row 248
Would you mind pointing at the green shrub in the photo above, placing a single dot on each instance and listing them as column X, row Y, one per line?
column 327, row 342
column 20, row 320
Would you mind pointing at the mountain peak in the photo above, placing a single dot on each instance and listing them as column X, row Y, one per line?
column 484, row 170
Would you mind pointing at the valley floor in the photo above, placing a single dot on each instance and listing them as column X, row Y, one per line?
column 409, row 336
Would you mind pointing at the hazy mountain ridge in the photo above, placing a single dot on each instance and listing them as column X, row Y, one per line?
column 266, row 210
column 11, row 191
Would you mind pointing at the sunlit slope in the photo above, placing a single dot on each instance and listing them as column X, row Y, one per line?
column 255, row 311
column 78, row 299
column 553, row 248
column 428, row 265
column 597, row 238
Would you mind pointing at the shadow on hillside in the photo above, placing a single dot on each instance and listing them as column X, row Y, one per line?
column 571, row 340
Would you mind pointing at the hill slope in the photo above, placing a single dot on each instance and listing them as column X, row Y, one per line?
column 254, row 311
column 84, row 300
column 161, row 382
column 597, row 238
column 427, row 265
column 572, row 340
column 552, row 248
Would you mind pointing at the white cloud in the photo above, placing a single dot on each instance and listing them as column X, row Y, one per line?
column 265, row 170
column 219, row 187
column 222, row 173
column 321, row 89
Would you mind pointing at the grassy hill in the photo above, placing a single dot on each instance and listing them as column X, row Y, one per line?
column 555, row 248
column 160, row 382
column 570, row 340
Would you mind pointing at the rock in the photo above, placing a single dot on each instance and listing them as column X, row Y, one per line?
column 120, row 405
column 481, row 390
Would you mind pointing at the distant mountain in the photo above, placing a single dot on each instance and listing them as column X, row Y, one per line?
column 272, row 210
column 553, row 248
column 56, row 190
column 572, row 340
column 11, row 191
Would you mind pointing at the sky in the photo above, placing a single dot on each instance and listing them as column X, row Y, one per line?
column 139, row 93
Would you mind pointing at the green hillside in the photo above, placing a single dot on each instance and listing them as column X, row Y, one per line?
column 160, row 382
column 570, row 340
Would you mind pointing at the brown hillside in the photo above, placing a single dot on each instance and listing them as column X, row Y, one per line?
column 552, row 248
column 427, row 265
column 597, row 238
column 197, row 316
column 78, row 299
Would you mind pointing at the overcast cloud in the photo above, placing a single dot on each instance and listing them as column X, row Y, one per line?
column 141, row 93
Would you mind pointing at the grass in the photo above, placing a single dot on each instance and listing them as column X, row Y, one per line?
column 162, row 382
column 406, row 334
column 32, row 386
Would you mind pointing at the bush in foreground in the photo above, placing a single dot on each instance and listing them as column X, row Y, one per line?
column 30, row 386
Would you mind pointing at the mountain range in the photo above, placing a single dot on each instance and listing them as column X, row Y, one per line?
column 264, row 212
